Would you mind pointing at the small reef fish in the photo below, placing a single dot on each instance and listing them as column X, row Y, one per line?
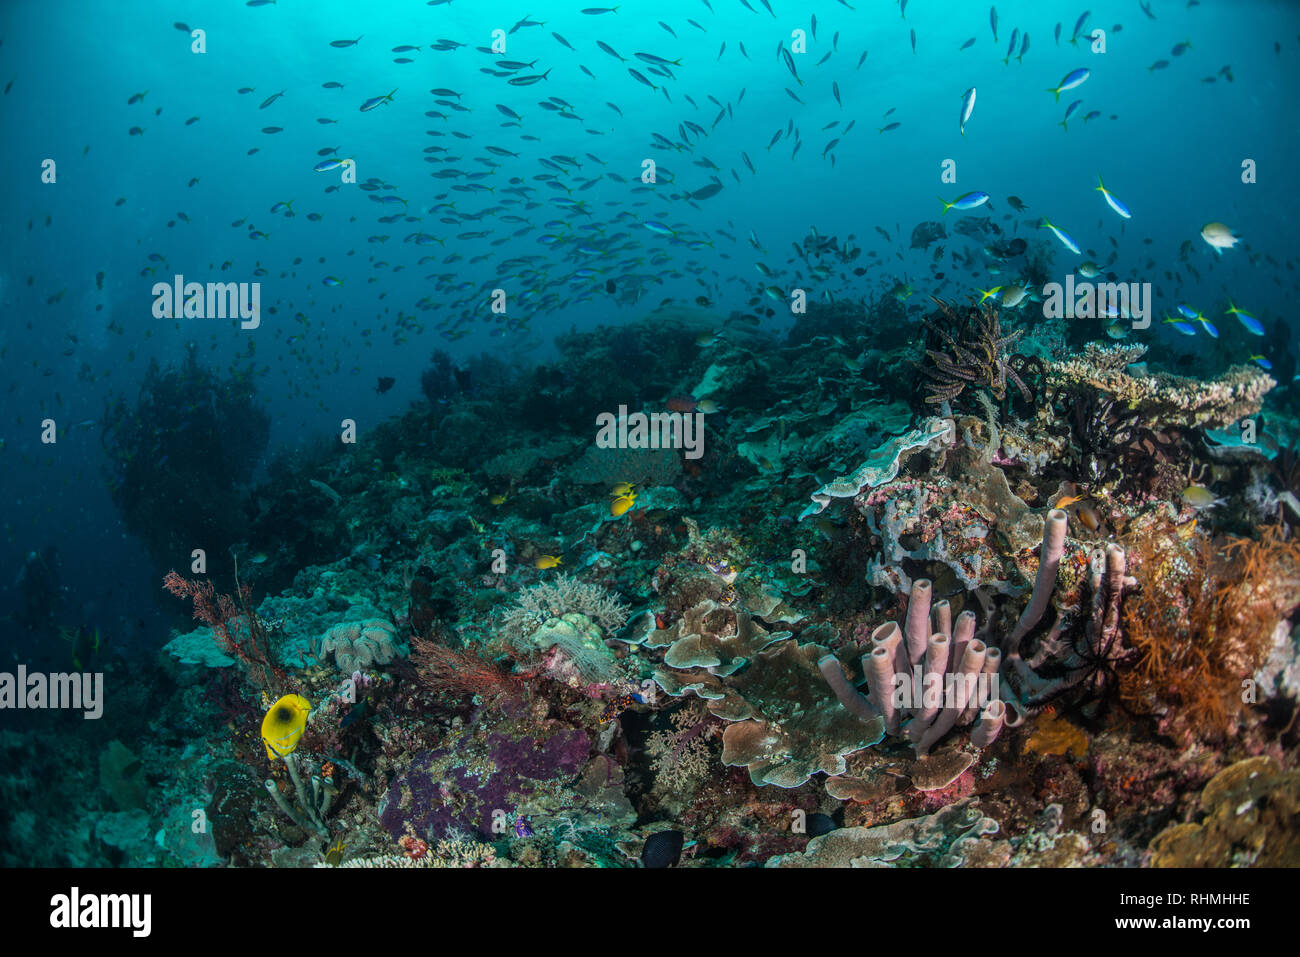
column 1252, row 324
column 1111, row 201
column 375, row 101
column 970, row 200
column 1070, row 81
column 1219, row 236
column 1060, row 234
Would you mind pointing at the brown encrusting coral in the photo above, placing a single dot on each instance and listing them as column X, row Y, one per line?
column 1246, row 817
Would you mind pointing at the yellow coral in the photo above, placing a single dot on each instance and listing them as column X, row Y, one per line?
column 1055, row 735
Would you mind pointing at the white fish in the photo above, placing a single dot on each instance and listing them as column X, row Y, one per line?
column 1219, row 237
column 1013, row 295
column 967, row 108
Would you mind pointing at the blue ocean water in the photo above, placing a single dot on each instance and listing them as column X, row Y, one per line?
column 193, row 196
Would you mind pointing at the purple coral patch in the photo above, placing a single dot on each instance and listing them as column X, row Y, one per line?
column 440, row 793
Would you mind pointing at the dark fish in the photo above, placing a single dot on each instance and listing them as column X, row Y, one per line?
column 926, row 233
column 385, row 383
column 789, row 64
column 181, row 27
column 663, row 849
column 818, row 824
column 270, row 99
column 345, row 43
column 375, row 101
column 713, row 189
column 636, row 76
column 1078, row 27
column 968, row 44
column 610, row 50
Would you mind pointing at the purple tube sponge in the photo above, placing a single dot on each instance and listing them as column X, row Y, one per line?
column 991, row 720
column 1049, row 559
column 849, row 696
column 918, row 620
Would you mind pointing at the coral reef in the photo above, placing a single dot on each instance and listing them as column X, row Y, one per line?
column 675, row 683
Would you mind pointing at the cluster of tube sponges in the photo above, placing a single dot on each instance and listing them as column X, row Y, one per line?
column 957, row 670
column 947, row 658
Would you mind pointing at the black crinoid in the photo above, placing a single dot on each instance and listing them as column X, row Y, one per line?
column 1111, row 445
column 966, row 348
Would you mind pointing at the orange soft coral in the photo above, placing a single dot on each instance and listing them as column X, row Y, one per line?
column 1204, row 620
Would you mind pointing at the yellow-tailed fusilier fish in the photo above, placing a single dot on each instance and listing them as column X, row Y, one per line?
column 1071, row 80
column 967, row 201
column 1061, row 234
column 1111, row 201
column 967, row 108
